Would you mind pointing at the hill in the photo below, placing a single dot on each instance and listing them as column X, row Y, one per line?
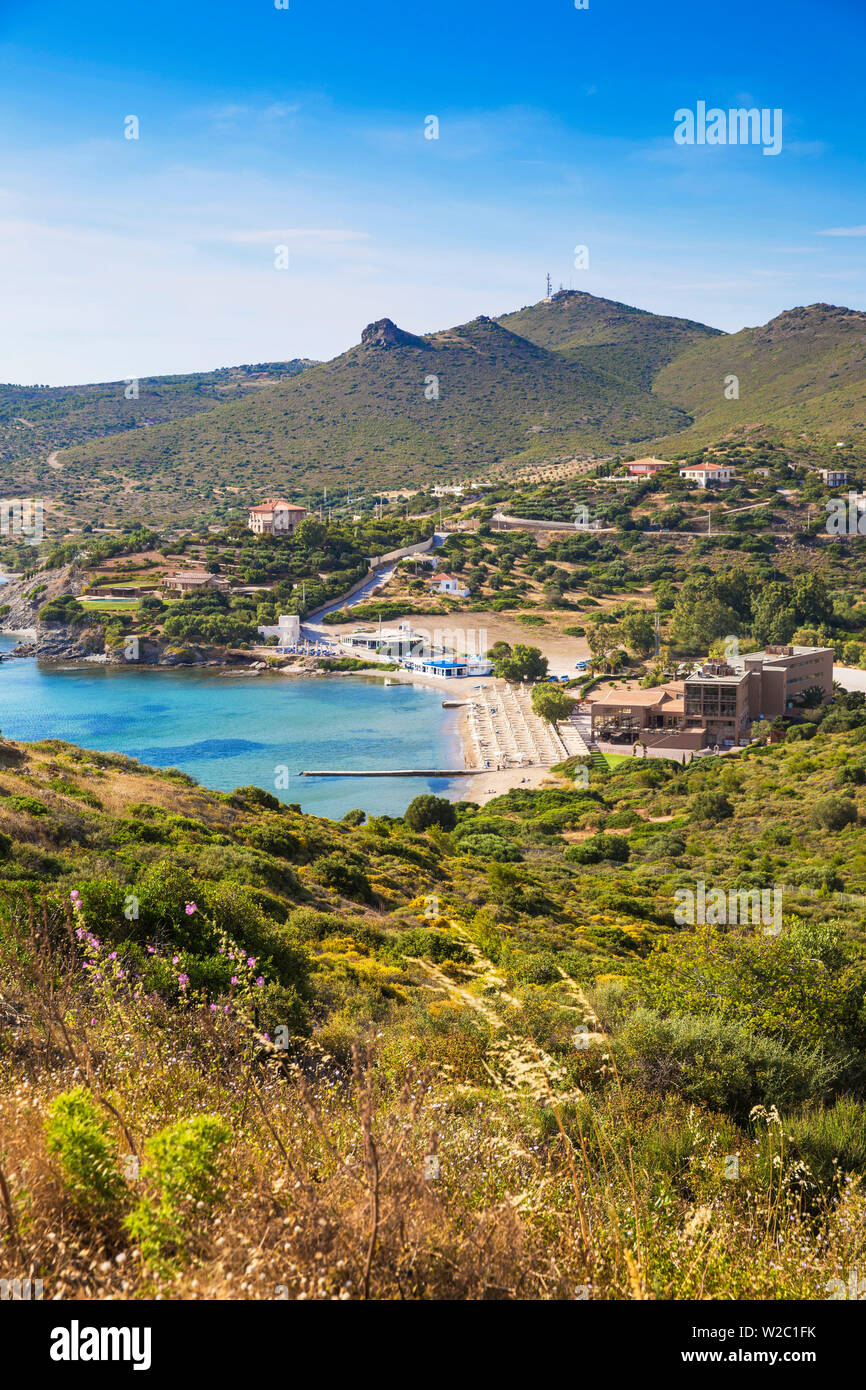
column 35, row 420
column 803, row 371
column 574, row 378
column 630, row 343
column 395, row 409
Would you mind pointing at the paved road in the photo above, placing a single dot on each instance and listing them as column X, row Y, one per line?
column 849, row 677
column 316, row 630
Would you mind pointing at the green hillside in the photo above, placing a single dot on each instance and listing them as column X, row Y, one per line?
column 629, row 343
column 366, row 415
column 35, row 420
column 579, row 376
column 802, row 371
column 253, row 1000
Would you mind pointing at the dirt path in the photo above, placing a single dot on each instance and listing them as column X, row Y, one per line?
column 52, row 460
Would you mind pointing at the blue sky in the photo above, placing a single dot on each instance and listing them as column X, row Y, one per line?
column 304, row 128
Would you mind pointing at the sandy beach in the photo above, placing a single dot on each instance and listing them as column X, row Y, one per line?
column 500, row 734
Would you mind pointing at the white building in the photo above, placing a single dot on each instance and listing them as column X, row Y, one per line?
column 709, row 475
column 447, row 584
column 276, row 517
column 834, row 477
column 287, row 631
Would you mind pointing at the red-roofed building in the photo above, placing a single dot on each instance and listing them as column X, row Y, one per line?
column 276, row 517
column 646, row 468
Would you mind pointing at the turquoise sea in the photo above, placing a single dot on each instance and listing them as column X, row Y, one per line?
column 231, row 730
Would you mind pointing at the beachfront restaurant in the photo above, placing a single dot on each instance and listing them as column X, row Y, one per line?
column 392, row 643
column 450, row 667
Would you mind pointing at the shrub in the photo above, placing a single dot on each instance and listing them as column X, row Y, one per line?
column 724, row 1065
column 664, row 847
column 256, row 796
column 800, row 732
column 77, row 1133
column 182, row 1165
column 833, row 813
column 427, row 810
column 27, row 805
column 272, row 839
column 431, row 945
column 355, row 817
column 711, row 806
column 336, row 872
column 490, row 847
column 597, row 848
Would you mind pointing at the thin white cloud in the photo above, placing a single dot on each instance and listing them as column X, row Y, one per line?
column 264, row 238
column 844, row 231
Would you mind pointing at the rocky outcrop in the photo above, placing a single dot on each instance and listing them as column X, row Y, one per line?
column 57, row 643
column 24, row 597
column 385, row 334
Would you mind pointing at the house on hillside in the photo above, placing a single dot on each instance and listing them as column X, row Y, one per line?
column 447, row 584
column 709, row 474
column 834, row 477
column 275, row 517
column 191, row 581
column 646, row 468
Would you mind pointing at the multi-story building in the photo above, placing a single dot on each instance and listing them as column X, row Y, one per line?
column 719, row 701
column 834, row 477
column 276, row 517
column 648, row 467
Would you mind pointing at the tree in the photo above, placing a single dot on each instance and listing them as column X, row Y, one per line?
column 809, row 698
column 601, row 639
column 700, row 615
column 427, row 810
column 518, row 663
column 551, row 703
column 638, row 631
column 311, row 534
column 711, row 806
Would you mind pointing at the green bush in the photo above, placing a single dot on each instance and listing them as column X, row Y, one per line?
column 711, row 806
column 77, row 1134
column 272, row 839
column 256, row 796
column 427, row 810
column 723, row 1065
column 182, row 1168
column 598, row 848
column 336, row 872
column 490, row 847
column 431, row 945
column 833, row 813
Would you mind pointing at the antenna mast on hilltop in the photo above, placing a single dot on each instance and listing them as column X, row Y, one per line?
column 548, row 284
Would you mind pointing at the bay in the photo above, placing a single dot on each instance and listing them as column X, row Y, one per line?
column 233, row 730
